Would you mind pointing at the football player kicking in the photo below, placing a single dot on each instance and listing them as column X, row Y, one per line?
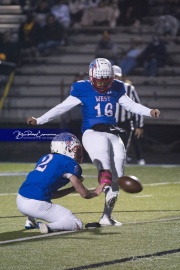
column 98, row 97
column 52, row 172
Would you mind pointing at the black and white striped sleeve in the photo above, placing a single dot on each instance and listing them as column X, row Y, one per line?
column 139, row 119
column 130, row 111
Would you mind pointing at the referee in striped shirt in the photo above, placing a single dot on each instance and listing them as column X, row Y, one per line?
column 132, row 123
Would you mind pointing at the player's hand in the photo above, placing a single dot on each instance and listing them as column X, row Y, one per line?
column 155, row 113
column 99, row 189
column 31, row 121
column 139, row 132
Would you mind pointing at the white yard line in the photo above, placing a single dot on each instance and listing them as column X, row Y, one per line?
column 143, row 196
column 162, row 183
column 8, row 194
column 151, row 221
column 67, row 232
column 85, row 167
column 35, row 237
column 76, row 194
column 20, row 173
column 13, row 173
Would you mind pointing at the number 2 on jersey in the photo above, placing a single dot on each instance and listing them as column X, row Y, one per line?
column 42, row 166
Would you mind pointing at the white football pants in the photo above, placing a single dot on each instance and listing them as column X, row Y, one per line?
column 107, row 152
column 59, row 217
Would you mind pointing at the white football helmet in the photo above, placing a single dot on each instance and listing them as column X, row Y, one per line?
column 101, row 74
column 117, row 71
column 67, row 144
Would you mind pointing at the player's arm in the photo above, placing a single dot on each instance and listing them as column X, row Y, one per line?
column 61, row 193
column 137, row 108
column 83, row 191
column 139, row 119
column 61, row 108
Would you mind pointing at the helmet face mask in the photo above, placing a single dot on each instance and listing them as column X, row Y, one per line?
column 101, row 75
column 67, row 144
column 78, row 153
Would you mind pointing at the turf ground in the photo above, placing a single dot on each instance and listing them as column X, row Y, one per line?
column 149, row 238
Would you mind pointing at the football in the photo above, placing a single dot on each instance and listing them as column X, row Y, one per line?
column 130, row 184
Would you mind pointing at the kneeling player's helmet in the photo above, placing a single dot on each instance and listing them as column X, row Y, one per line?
column 101, row 74
column 67, row 144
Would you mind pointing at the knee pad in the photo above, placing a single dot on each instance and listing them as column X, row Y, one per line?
column 105, row 177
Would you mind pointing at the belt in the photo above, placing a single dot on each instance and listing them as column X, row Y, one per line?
column 109, row 128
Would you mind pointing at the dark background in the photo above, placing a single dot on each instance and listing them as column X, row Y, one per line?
column 160, row 143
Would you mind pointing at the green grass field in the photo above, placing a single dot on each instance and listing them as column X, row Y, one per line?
column 149, row 238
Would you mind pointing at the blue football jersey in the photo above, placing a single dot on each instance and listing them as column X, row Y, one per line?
column 97, row 108
column 47, row 176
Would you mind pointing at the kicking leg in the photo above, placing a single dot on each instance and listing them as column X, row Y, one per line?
column 117, row 167
column 101, row 148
